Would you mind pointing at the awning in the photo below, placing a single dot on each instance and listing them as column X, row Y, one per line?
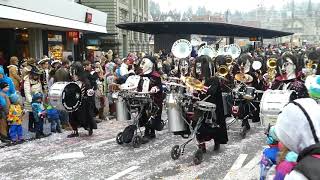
column 10, row 16
column 204, row 28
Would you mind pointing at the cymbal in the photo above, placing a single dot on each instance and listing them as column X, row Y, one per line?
column 194, row 83
column 246, row 78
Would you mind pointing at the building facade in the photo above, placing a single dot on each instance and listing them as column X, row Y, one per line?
column 33, row 28
column 123, row 11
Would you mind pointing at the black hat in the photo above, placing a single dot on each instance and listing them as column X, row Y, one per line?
column 3, row 85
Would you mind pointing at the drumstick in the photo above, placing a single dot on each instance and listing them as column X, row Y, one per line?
column 206, row 98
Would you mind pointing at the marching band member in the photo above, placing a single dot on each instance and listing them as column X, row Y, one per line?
column 148, row 67
column 84, row 115
column 213, row 95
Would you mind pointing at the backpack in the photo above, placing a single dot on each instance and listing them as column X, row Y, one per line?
column 309, row 158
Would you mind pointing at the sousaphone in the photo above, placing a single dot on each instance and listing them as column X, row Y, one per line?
column 207, row 50
column 181, row 48
column 234, row 51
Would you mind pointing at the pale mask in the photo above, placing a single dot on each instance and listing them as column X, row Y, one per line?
column 146, row 66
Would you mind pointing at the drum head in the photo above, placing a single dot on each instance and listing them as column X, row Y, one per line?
column 71, row 97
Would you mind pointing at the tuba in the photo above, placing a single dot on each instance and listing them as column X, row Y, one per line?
column 207, row 50
column 181, row 48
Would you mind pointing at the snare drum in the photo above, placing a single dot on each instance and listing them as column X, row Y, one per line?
column 205, row 106
column 249, row 93
column 271, row 105
column 65, row 96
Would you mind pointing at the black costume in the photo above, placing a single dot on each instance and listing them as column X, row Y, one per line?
column 83, row 117
column 207, row 131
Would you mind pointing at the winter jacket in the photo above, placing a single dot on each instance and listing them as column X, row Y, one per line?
column 30, row 88
column 15, row 114
column 14, row 75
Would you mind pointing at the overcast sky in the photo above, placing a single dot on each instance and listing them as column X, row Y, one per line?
column 221, row 5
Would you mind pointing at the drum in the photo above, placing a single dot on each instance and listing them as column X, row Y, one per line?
column 271, row 105
column 121, row 109
column 174, row 110
column 205, row 106
column 65, row 96
column 249, row 93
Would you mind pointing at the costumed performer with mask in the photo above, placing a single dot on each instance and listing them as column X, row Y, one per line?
column 83, row 116
column 148, row 67
column 203, row 72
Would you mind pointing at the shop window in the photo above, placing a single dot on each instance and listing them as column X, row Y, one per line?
column 55, row 45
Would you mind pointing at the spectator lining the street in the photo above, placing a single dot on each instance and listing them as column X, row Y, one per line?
column 14, row 72
column 39, row 114
column 15, row 119
column 4, row 105
column 54, row 119
column 298, row 129
column 32, row 85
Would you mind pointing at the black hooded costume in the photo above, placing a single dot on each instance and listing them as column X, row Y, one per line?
column 207, row 131
column 83, row 116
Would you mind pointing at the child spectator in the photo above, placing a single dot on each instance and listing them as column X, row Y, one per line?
column 54, row 118
column 39, row 113
column 15, row 119
column 287, row 160
column 269, row 154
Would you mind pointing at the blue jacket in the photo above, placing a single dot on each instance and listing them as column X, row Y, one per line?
column 8, row 80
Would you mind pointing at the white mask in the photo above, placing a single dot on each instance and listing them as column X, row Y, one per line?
column 146, row 66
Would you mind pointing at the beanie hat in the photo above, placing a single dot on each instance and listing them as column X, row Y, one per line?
column 3, row 85
column 37, row 96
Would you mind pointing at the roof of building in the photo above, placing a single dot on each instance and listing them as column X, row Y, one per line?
column 204, row 28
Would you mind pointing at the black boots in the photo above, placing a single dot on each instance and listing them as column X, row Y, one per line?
column 148, row 135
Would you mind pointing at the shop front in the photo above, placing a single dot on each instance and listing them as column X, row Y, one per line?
column 33, row 28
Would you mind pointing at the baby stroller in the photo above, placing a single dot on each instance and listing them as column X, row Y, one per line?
column 141, row 107
column 187, row 121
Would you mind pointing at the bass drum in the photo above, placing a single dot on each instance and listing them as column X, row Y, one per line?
column 65, row 96
column 271, row 105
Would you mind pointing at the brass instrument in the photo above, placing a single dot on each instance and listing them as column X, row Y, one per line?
column 310, row 69
column 194, row 84
column 223, row 70
column 270, row 76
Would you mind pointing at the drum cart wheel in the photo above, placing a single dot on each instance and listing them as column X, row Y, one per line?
column 198, row 156
column 175, row 152
column 136, row 141
column 119, row 138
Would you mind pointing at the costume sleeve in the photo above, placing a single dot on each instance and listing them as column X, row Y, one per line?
column 213, row 85
column 14, row 73
column 12, row 89
column 27, row 90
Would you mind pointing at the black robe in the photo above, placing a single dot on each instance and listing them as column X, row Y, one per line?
column 219, row 134
column 83, row 117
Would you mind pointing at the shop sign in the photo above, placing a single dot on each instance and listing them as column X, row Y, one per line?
column 88, row 17
column 73, row 34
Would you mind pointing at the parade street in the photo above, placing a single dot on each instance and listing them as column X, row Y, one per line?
column 100, row 157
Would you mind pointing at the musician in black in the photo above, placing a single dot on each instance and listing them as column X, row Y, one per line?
column 217, row 129
column 154, row 122
column 83, row 116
